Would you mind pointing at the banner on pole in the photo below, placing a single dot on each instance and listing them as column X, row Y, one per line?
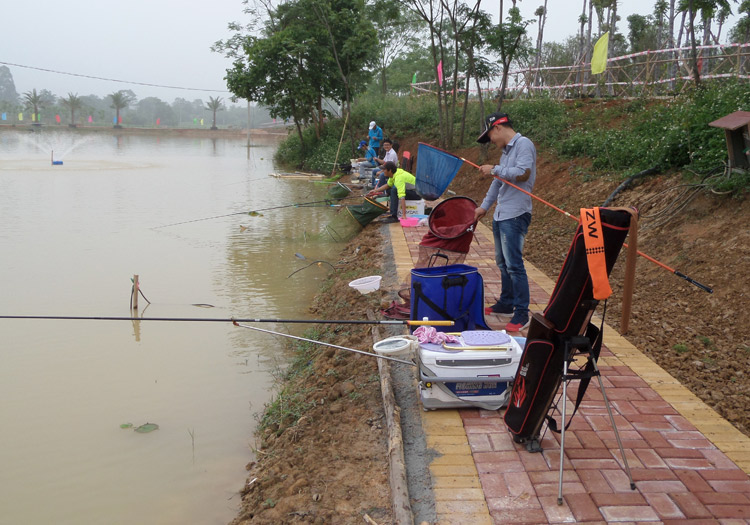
column 599, row 58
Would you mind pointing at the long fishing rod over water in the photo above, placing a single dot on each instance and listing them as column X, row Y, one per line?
column 311, row 204
column 647, row 257
column 234, row 320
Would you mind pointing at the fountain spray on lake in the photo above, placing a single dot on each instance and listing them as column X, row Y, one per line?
column 59, row 142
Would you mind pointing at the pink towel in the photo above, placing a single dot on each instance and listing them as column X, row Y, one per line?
column 428, row 334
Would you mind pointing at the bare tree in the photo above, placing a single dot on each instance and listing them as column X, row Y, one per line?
column 541, row 14
column 431, row 11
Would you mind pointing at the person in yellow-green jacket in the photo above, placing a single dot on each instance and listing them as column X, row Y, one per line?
column 400, row 185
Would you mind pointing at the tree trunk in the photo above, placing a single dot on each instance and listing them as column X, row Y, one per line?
column 439, row 89
column 539, row 40
column 612, row 32
column 462, row 134
column 671, row 44
column 693, row 50
column 587, row 71
column 581, row 46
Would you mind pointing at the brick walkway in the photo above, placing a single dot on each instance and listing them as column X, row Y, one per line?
column 689, row 465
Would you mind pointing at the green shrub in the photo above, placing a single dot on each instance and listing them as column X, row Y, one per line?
column 621, row 140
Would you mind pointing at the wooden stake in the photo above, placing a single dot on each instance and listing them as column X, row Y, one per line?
column 401, row 505
column 135, row 292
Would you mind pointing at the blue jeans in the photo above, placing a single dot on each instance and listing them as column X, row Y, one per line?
column 509, row 236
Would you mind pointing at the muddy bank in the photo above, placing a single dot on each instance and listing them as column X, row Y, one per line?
column 322, row 458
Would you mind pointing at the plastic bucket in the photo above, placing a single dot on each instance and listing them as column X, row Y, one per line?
column 366, row 285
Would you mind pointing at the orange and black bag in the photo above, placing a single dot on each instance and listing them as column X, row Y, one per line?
column 567, row 315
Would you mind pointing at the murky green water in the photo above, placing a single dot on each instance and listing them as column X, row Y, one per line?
column 71, row 238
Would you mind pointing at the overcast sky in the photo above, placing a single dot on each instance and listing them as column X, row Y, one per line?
column 163, row 42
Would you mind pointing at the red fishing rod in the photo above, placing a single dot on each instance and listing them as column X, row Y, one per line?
column 647, row 257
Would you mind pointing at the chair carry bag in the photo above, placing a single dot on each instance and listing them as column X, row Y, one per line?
column 567, row 315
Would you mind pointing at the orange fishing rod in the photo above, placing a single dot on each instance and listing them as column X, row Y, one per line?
column 647, row 257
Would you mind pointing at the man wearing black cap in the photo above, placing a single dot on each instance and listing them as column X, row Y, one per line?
column 512, row 214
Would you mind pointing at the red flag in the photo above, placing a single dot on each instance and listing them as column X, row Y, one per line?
column 440, row 73
column 157, row 121
column 57, row 118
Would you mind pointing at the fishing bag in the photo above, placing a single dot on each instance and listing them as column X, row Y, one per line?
column 454, row 292
column 563, row 328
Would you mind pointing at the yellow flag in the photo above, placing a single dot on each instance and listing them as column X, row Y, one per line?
column 599, row 58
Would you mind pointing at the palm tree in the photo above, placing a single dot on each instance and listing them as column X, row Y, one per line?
column 72, row 102
column 214, row 104
column 120, row 100
column 34, row 101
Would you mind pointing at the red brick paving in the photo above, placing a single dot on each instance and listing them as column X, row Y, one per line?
column 680, row 476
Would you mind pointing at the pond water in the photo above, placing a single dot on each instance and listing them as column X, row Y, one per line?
column 72, row 237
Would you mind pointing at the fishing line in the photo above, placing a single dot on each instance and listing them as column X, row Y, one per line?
column 251, row 212
column 311, row 264
column 369, row 354
column 647, row 257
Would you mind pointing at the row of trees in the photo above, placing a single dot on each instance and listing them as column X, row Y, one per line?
column 123, row 107
column 294, row 56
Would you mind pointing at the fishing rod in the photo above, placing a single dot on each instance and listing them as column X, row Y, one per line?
column 647, row 257
column 343, row 129
column 369, row 354
column 254, row 212
column 423, row 322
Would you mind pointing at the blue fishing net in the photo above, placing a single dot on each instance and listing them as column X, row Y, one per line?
column 435, row 171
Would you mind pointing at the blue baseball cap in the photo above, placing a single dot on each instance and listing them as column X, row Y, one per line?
column 362, row 144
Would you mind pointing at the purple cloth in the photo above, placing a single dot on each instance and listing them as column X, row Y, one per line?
column 428, row 334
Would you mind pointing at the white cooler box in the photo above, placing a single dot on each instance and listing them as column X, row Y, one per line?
column 457, row 375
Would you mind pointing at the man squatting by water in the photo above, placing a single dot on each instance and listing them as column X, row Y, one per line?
column 512, row 214
column 400, row 186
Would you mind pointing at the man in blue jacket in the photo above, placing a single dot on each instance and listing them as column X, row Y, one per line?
column 376, row 136
column 367, row 162
column 512, row 214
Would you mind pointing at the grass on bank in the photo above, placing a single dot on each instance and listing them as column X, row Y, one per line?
column 621, row 137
